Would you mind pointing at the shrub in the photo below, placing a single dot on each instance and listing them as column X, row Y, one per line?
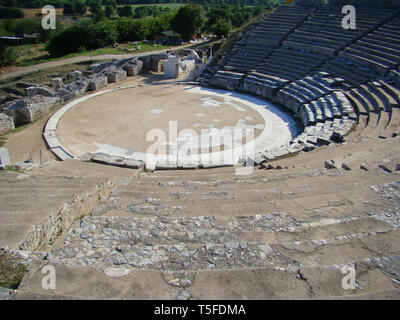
column 7, row 56
column 11, row 13
column 86, row 35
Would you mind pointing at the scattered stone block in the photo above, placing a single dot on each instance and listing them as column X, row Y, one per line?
column 116, row 76
column 330, row 164
column 77, row 75
column 4, row 157
column 346, row 167
column 390, row 166
column 133, row 68
column 27, row 110
column 97, row 82
column 57, row 84
column 39, row 91
column 6, row 123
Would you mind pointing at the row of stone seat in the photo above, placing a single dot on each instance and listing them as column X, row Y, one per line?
column 379, row 50
column 322, row 32
column 289, row 64
column 376, row 96
column 321, row 133
column 328, row 92
column 309, row 88
column 227, row 79
column 314, row 134
column 259, row 40
column 350, row 73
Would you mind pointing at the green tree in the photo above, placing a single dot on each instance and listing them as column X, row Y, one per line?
column 109, row 10
column 68, row 9
column 96, row 11
column 11, row 13
column 81, row 36
column 189, row 20
column 125, row 11
column 7, row 56
column 221, row 28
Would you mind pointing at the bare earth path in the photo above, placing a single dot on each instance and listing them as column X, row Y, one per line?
column 37, row 67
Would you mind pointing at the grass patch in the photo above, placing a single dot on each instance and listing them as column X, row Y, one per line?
column 120, row 50
column 13, row 169
column 3, row 140
column 12, row 270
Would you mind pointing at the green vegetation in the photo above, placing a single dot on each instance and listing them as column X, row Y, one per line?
column 96, row 26
column 2, row 140
column 189, row 21
column 81, row 37
column 11, row 13
column 221, row 28
column 7, row 56
column 11, row 270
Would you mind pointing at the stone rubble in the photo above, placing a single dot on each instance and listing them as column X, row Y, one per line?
column 39, row 99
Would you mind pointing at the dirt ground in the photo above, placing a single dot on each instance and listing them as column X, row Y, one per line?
column 124, row 118
column 27, row 141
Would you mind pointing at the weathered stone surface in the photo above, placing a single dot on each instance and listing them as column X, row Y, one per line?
column 41, row 91
column 96, row 82
column 27, row 110
column 57, row 84
column 6, row 123
column 115, row 76
column 99, row 210
column 330, row 164
column 133, row 68
column 77, row 75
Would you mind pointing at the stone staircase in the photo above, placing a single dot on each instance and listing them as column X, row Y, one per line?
column 38, row 204
column 213, row 235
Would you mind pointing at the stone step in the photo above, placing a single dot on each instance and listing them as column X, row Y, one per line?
column 254, row 283
column 259, row 242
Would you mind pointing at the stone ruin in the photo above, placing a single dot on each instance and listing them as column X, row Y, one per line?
column 6, row 123
column 39, row 98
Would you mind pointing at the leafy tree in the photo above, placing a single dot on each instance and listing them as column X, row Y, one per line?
column 221, row 28
column 11, row 13
column 109, row 10
column 68, row 9
column 125, row 11
column 189, row 20
column 96, row 11
column 74, row 8
column 112, row 3
column 7, row 56
column 81, row 36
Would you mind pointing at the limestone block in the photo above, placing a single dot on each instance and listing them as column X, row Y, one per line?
column 27, row 110
column 39, row 91
column 6, row 123
column 115, row 76
column 133, row 68
column 330, row 164
column 95, row 83
column 57, row 84
column 4, row 157
column 77, row 75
